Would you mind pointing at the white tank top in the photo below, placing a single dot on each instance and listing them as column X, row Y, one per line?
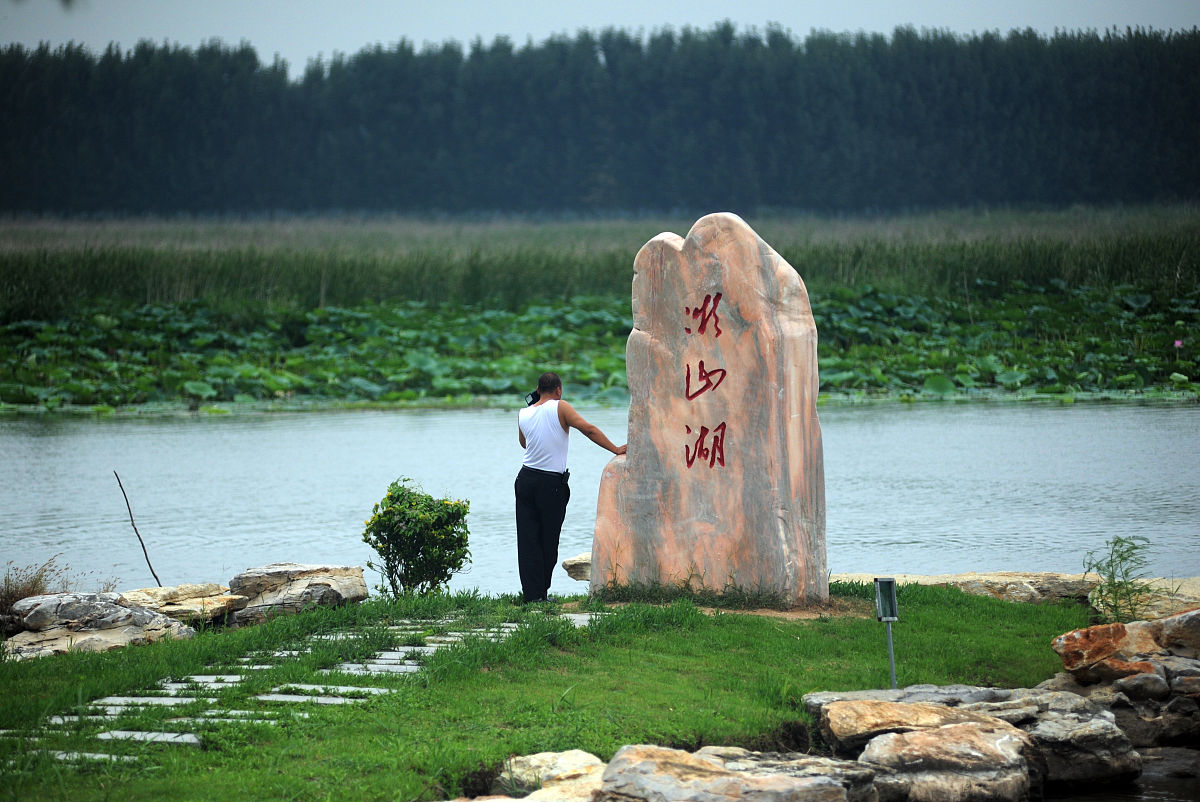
column 545, row 438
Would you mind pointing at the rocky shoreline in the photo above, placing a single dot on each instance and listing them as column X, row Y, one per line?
column 56, row 623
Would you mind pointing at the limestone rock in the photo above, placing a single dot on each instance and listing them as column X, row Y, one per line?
column 723, row 484
column 77, row 610
column 1109, row 651
column 548, row 770
column 1076, row 738
column 950, row 695
column 1180, row 720
column 975, row 761
column 1025, row 587
column 1180, row 634
column 193, row 603
column 855, row 778
column 287, row 588
column 579, row 567
column 655, row 774
column 1144, row 686
column 1167, row 647
column 1085, row 748
column 90, row 622
column 847, row 726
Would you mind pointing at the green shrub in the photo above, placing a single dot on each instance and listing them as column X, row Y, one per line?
column 420, row 540
column 1122, row 591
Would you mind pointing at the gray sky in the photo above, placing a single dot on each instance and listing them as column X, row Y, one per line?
column 298, row 30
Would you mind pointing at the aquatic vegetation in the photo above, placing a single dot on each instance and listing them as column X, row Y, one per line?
column 952, row 304
column 1054, row 341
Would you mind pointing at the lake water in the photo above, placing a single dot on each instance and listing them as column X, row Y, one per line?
column 924, row 488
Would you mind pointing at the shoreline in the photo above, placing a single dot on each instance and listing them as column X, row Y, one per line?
column 181, row 409
column 1188, row 586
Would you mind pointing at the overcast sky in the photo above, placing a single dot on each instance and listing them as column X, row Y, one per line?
column 298, row 30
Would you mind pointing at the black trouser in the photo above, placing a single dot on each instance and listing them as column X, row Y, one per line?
column 542, row 498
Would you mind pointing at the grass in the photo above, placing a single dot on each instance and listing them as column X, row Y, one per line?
column 667, row 674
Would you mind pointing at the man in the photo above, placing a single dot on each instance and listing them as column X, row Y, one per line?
column 541, row 487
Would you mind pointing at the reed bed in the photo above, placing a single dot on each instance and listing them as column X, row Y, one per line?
column 51, row 268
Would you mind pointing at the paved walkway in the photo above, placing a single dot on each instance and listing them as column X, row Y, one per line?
column 201, row 694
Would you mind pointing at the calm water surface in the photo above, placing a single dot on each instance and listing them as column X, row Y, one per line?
column 926, row 488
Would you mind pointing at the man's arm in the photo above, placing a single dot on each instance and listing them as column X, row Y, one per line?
column 569, row 418
column 520, row 434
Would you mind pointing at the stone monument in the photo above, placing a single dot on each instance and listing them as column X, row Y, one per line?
column 724, row 482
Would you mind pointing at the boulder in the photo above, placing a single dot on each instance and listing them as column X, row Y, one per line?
column 90, row 622
column 1109, row 651
column 1085, row 747
column 1076, row 738
column 579, row 567
column 974, row 760
column 288, row 588
column 1180, row 634
column 546, row 770
column 193, row 603
column 1025, row 587
column 654, row 774
column 847, row 726
column 723, row 484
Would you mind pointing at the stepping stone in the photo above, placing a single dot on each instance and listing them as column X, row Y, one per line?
column 580, row 620
column 405, row 650
column 354, row 670
column 133, row 701
column 336, row 688
column 215, row 679
column 184, row 738
column 186, row 687
column 256, row 667
column 374, row 668
column 60, row 720
column 219, row 720
column 249, row 715
column 383, row 657
column 74, row 757
column 295, row 697
column 289, row 652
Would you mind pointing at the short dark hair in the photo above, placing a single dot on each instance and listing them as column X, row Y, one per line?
column 548, row 382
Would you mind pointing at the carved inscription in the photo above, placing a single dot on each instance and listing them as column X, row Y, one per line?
column 711, row 450
column 707, row 380
column 709, row 444
column 704, row 313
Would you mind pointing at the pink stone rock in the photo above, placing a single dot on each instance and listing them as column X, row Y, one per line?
column 723, row 485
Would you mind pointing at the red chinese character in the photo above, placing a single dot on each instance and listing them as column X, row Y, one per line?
column 714, row 453
column 703, row 376
column 704, row 314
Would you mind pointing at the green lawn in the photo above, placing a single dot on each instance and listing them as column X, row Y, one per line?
column 667, row 674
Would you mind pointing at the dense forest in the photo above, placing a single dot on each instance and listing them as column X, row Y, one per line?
column 609, row 122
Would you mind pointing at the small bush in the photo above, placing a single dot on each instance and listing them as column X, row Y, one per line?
column 421, row 540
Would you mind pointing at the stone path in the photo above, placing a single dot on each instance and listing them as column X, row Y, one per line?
column 198, row 694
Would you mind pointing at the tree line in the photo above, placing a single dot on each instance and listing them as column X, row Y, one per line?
column 691, row 120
